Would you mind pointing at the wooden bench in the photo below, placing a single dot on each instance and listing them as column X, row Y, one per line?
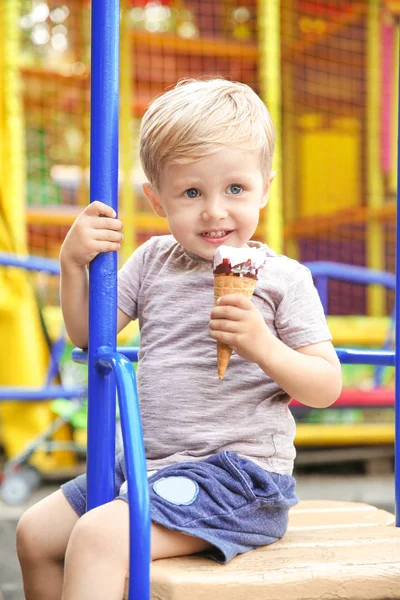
column 332, row 550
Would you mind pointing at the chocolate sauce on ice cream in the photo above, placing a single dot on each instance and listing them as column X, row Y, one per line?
column 241, row 269
column 242, row 262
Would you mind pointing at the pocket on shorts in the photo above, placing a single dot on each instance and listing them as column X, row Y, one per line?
column 234, row 465
column 270, row 488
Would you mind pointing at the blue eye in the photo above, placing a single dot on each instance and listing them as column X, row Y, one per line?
column 234, row 188
column 192, row 193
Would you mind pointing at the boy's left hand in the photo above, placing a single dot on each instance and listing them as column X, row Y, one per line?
column 237, row 322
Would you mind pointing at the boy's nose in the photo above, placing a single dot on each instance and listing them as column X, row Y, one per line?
column 213, row 210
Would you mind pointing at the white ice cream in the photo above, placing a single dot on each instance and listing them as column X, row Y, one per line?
column 242, row 261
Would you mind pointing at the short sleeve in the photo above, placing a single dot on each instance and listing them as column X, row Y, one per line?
column 130, row 278
column 300, row 318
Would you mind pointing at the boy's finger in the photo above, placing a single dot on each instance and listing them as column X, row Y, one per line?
column 235, row 300
column 106, row 223
column 223, row 325
column 106, row 246
column 98, row 208
column 230, row 312
column 223, row 336
column 109, row 235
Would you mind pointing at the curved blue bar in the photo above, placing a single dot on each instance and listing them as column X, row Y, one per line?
column 135, row 459
column 351, row 273
column 103, row 270
column 131, row 352
column 47, row 393
column 30, row 263
column 366, row 357
column 346, row 356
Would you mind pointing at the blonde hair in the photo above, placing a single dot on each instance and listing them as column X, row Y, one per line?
column 198, row 117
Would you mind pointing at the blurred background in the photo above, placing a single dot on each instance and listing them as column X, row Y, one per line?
column 327, row 70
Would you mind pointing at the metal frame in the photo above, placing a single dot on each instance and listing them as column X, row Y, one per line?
column 108, row 369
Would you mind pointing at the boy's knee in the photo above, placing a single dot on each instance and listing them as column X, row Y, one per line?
column 30, row 541
column 85, row 535
column 96, row 534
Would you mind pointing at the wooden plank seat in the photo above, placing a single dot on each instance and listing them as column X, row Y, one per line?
column 332, row 550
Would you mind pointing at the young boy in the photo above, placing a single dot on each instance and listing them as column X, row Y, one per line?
column 220, row 452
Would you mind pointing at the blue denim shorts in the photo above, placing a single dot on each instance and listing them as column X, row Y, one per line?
column 227, row 500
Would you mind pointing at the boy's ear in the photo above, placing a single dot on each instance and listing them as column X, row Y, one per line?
column 264, row 199
column 153, row 199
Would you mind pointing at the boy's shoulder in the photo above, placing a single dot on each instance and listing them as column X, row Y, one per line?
column 157, row 246
column 160, row 252
column 159, row 242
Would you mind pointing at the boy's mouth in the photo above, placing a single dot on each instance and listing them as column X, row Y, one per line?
column 216, row 235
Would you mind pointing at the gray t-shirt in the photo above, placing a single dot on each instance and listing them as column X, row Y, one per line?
column 187, row 412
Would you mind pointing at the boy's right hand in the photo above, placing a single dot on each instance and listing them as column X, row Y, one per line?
column 91, row 234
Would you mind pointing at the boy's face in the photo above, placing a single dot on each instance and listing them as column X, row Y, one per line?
column 213, row 201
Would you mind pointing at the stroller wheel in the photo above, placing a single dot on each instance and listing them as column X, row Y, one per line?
column 32, row 475
column 16, row 487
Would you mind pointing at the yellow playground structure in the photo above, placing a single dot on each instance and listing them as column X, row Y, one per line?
column 327, row 71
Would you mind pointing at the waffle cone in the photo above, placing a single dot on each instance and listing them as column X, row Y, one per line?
column 223, row 285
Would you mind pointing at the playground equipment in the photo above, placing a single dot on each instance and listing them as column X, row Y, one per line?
column 19, row 477
column 348, row 432
column 331, row 549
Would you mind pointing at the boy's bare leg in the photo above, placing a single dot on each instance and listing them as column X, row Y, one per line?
column 42, row 538
column 97, row 559
column 166, row 543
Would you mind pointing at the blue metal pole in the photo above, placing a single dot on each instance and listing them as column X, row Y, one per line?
column 102, row 287
column 322, row 287
column 135, row 461
column 397, row 357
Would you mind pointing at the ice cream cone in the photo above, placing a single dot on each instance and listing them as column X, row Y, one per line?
column 230, row 284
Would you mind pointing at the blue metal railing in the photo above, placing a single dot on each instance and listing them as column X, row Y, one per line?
column 322, row 271
column 102, row 288
column 106, row 368
column 135, row 461
column 346, row 356
column 30, row 263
